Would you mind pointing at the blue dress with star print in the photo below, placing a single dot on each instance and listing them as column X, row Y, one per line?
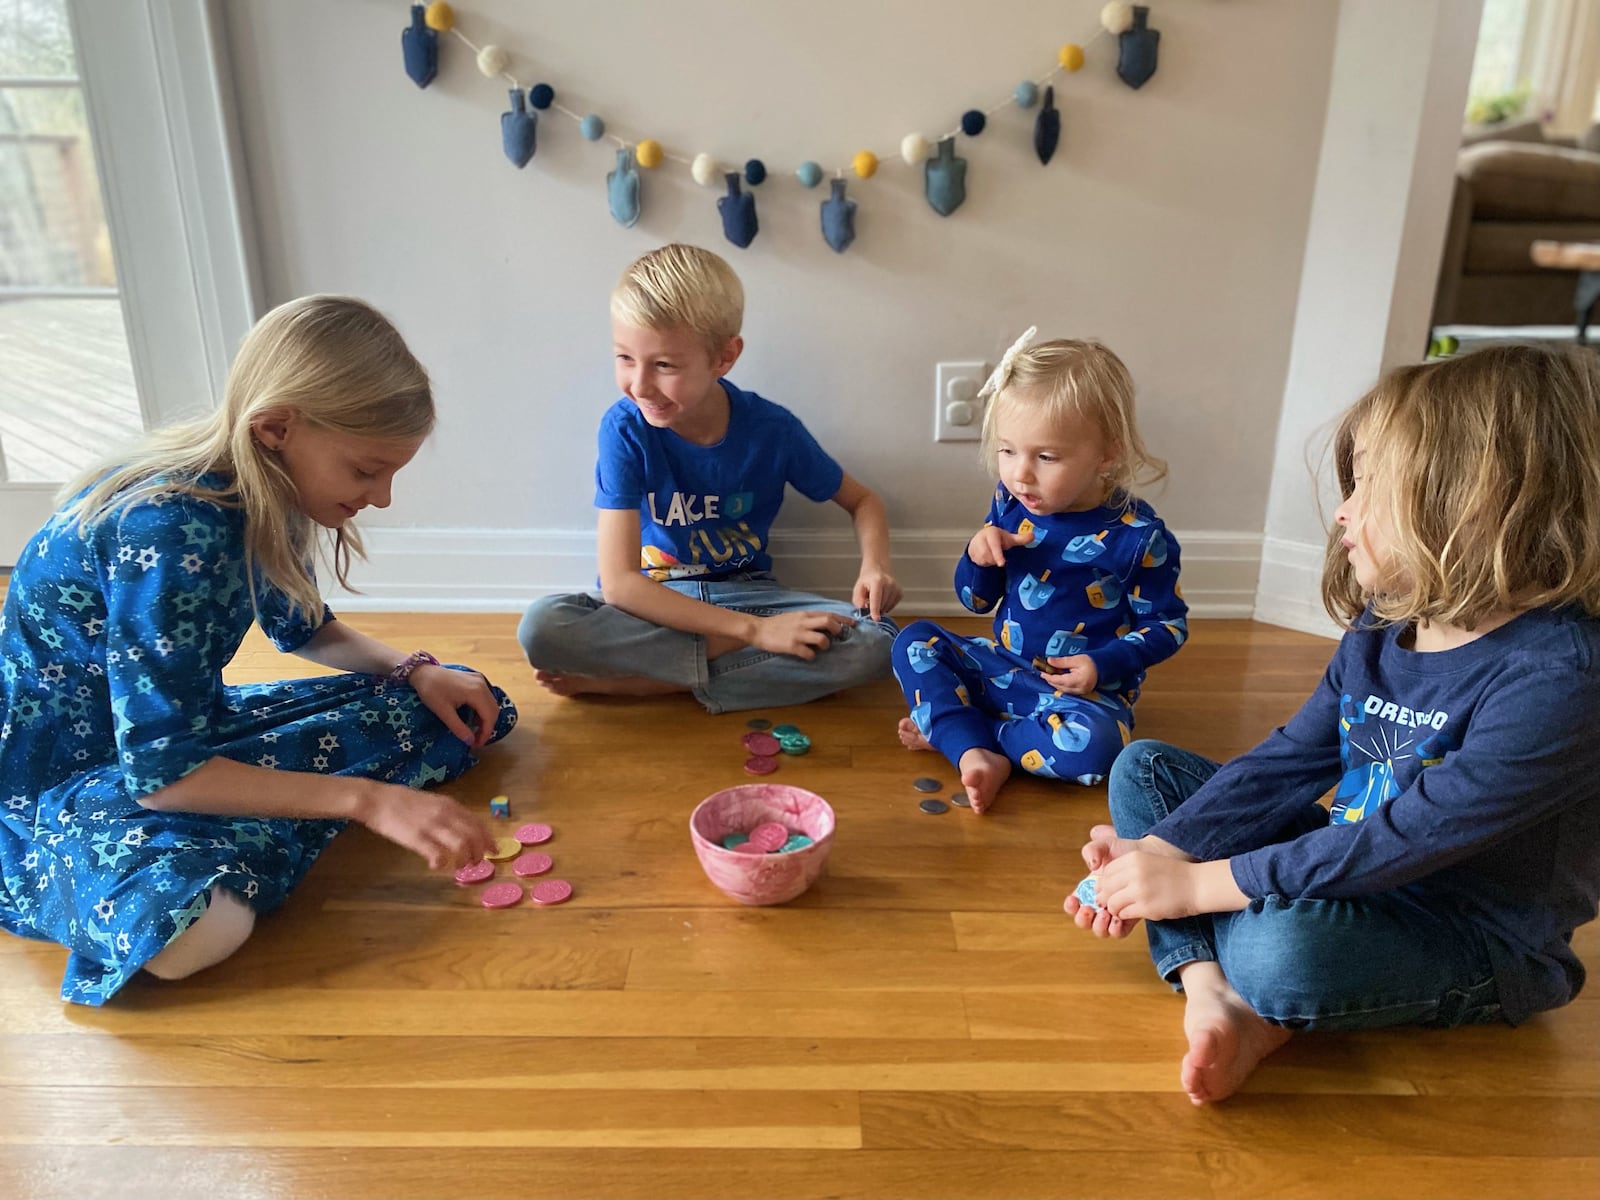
column 112, row 644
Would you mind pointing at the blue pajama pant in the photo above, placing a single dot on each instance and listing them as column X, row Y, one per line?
column 967, row 692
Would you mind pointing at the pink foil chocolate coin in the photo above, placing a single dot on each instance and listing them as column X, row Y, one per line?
column 552, row 891
column 534, row 834
column 475, row 872
column 501, row 895
column 769, row 837
column 760, row 764
column 762, row 743
column 533, row 864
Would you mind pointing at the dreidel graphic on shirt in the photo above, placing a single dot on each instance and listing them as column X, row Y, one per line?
column 738, row 211
column 963, row 695
column 1036, row 593
column 1036, row 763
column 945, row 178
column 1105, row 591
column 1138, row 603
column 519, row 130
column 1133, row 520
column 1027, row 529
column 922, row 656
column 921, row 711
column 965, row 656
column 1156, row 552
column 1011, row 636
column 420, row 46
column 1178, row 628
column 973, row 601
column 1067, row 641
column 1004, row 680
column 1067, row 732
column 1085, row 547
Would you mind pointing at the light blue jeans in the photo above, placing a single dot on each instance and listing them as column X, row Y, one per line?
column 1395, row 958
column 580, row 634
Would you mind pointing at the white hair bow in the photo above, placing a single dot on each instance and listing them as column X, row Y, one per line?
column 1002, row 373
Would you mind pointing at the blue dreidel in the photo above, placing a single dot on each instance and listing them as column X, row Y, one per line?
column 420, row 45
column 1156, row 553
column 1086, row 890
column 839, row 218
column 1136, row 49
column 1035, row 592
column 738, row 211
column 1047, row 127
column 518, row 130
column 1085, row 547
column 1067, row 641
column 622, row 188
column 945, row 178
column 922, row 656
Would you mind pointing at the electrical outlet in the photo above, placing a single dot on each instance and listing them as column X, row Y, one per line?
column 957, row 412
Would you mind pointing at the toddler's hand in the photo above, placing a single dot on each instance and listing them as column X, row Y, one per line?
column 989, row 545
column 1075, row 674
column 876, row 591
column 800, row 634
column 446, row 835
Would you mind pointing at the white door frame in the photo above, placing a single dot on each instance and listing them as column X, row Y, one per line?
column 161, row 120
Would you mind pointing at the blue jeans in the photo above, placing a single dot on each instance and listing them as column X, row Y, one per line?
column 581, row 634
column 1394, row 958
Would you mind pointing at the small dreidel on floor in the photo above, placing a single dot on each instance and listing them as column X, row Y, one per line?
column 519, row 130
column 839, row 218
column 738, row 211
column 945, row 178
column 500, row 806
column 420, row 45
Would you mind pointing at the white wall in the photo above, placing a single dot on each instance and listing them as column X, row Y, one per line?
column 1172, row 224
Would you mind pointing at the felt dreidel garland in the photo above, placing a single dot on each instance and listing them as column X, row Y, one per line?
column 944, row 173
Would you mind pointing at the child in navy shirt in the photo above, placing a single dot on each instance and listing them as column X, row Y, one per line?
column 1455, row 729
column 1081, row 576
column 690, row 476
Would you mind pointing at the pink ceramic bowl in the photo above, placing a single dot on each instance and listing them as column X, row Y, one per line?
column 762, row 878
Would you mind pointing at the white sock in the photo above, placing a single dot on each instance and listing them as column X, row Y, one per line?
column 222, row 929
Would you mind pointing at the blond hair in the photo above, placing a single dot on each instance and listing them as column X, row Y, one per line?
column 334, row 362
column 1486, row 472
column 1067, row 378
column 681, row 287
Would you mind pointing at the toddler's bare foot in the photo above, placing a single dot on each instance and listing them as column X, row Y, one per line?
column 1227, row 1040
column 910, row 736
column 982, row 773
column 596, row 685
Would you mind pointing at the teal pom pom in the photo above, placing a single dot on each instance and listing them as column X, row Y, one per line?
column 1027, row 94
column 592, row 127
column 540, row 95
column 972, row 122
column 809, row 174
column 755, row 171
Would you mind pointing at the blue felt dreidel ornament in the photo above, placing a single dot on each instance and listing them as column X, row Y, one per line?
column 839, row 218
column 738, row 211
column 1136, row 49
column 945, row 178
column 622, row 188
column 1087, row 891
column 518, row 129
column 1047, row 128
column 420, row 45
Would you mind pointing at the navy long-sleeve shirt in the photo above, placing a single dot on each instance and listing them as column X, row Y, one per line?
column 1471, row 774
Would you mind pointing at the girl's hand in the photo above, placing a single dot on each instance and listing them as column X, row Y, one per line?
column 800, row 634
column 989, row 545
column 446, row 835
column 1075, row 674
column 443, row 691
column 876, row 591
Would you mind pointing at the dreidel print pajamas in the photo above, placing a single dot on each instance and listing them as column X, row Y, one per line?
column 1102, row 583
column 113, row 645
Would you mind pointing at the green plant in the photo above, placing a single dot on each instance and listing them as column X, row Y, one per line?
column 1493, row 107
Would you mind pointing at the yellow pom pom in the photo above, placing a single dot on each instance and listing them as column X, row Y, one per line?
column 1071, row 57
column 440, row 16
column 865, row 163
column 648, row 152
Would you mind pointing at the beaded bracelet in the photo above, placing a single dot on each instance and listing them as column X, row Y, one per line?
column 417, row 658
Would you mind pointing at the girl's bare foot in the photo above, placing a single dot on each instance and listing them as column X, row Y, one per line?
column 1227, row 1039
column 982, row 773
column 910, row 736
column 596, row 685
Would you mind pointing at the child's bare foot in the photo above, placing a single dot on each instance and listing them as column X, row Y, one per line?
column 910, row 736
column 982, row 773
column 597, row 685
column 1227, row 1039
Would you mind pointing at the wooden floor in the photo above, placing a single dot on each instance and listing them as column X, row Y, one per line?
column 67, row 396
column 923, row 1023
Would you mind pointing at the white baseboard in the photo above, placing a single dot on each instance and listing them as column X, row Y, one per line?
column 502, row 570
column 1289, row 591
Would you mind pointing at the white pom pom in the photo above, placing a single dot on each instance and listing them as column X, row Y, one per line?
column 704, row 170
column 493, row 61
column 1117, row 16
column 913, row 148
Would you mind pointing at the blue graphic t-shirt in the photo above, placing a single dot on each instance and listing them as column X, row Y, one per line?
column 1469, row 776
column 705, row 511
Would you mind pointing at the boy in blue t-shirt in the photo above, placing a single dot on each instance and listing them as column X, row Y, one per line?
column 690, row 476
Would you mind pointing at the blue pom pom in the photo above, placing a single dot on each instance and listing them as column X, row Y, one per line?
column 809, row 174
column 592, row 127
column 1027, row 94
column 755, row 171
column 972, row 122
column 540, row 95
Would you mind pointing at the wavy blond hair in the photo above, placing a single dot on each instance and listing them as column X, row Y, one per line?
column 681, row 287
column 1065, row 377
column 1486, row 470
column 334, row 362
